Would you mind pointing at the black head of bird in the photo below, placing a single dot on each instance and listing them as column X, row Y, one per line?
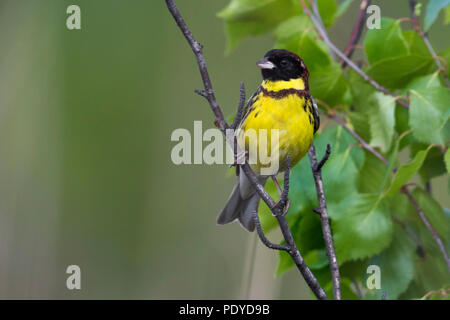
column 279, row 64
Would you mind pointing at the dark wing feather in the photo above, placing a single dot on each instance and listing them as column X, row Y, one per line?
column 249, row 106
column 315, row 115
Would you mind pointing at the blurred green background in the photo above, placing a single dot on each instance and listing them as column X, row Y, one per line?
column 86, row 176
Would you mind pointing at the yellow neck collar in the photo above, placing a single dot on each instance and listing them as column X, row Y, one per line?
column 298, row 84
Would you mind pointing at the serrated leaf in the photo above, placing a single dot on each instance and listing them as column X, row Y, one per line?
column 382, row 121
column 433, row 8
column 429, row 114
column 254, row 17
column 363, row 229
column 387, row 42
column 406, row 172
column 396, row 266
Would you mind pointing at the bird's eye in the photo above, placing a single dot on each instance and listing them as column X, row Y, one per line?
column 284, row 63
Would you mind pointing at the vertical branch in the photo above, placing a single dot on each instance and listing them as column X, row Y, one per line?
column 434, row 234
column 357, row 31
column 416, row 25
column 322, row 210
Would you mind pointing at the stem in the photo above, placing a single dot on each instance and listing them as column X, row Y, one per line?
column 357, row 31
column 326, row 230
column 416, row 25
column 435, row 235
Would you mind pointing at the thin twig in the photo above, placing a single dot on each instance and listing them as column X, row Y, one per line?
column 221, row 123
column 264, row 239
column 415, row 22
column 357, row 31
column 323, row 34
column 197, row 48
column 435, row 235
column 363, row 143
column 326, row 230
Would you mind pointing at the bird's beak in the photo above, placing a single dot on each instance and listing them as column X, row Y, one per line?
column 265, row 64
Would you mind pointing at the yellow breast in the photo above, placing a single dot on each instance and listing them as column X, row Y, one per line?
column 291, row 119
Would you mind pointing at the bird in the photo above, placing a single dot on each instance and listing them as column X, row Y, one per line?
column 281, row 102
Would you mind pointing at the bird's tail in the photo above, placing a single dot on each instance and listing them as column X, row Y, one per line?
column 241, row 205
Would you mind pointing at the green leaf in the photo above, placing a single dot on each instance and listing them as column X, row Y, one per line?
column 382, row 121
column 387, row 42
column 254, row 17
column 433, row 166
column 406, row 172
column 447, row 160
column 372, row 174
column 327, row 10
column 433, row 212
column 431, row 271
column 396, row 266
column 399, row 205
column 396, row 72
column 328, row 84
column 316, row 259
column 395, row 56
column 340, row 175
column 296, row 34
column 362, row 228
column 425, row 82
column 433, row 8
column 429, row 115
column 346, row 290
column 268, row 222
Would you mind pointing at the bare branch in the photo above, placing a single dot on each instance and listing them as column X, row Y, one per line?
column 435, row 235
column 323, row 34
column 198, row 51
column 357, row 31
column 322, row 211
column 416, row 25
